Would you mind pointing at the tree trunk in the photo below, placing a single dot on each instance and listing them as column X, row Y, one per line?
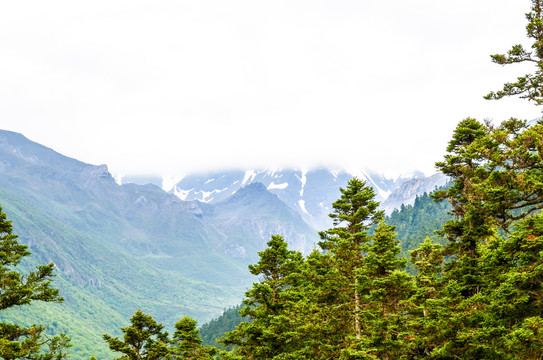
column 356, row 309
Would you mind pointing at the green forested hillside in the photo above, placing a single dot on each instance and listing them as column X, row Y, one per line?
column 413, row 223
column 416, row 222
column 475, row 296
column 102, row 288
column 216, row 328
column 117, row 248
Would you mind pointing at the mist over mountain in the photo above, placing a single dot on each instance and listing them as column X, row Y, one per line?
column 309, row 192
column 120, row 247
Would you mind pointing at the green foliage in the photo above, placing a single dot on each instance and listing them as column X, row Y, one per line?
column 187, row 343
column 217, row 328
column 16, row 289
column 476, row 304
column 497, row 176
column 515, row 272
column 385, row 289
column 145, row 339
column 416, row 222
column 529, row 86
column 343, row 303
column 267, row 334
column 354, row 213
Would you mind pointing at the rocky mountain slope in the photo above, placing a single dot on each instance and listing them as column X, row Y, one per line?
column 407, row 192
column 118, row 248
column 310, row 193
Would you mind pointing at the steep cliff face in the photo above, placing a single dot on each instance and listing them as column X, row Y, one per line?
column 409, row 190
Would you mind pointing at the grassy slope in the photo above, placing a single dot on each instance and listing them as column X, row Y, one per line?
column 102, row 288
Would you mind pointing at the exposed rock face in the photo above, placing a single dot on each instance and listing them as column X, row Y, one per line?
column 409, row 190
column 254, row 210
column 309, row 193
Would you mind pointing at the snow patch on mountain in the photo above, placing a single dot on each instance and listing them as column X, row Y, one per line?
column 169, row 182
column 249, row 177
column 309, row 192
column 181, row 194
column 363, row 175
column 281, row 186
column 301, row 203
column 303, row 180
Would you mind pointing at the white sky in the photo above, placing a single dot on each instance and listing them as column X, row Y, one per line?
column 170, row 87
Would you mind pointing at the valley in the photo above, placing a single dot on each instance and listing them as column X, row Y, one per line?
column 122, row 247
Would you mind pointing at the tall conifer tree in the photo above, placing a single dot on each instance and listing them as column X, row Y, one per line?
column 353, row 214
column 16, row 289
column 424, row 318
column 186, row 342
column 384, row 288
column 267, row 335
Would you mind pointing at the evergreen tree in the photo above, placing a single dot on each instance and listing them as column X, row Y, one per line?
column 416, row 222
column 267, row 335
column 144, row 339
column 319, row 323
column 530, row 86
column 516, row 291
column 187, row 343
column 216, row 328
column 496, row 175
column 424, row 319
column 384, row 287
column 353, row 214
column 18, row 342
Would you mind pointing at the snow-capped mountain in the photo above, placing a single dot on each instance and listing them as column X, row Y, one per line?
column 407, row 192
column 309, row 192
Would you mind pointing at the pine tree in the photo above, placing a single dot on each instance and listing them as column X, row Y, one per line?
column 496, row 175
column 384, row 288
column 267, row 335
column 429, row 307
column 529, row 86
column 18, row 342
column 187, row 343
column 353, row 214
column 319, row 324
column 516, row 291
column 144, row 339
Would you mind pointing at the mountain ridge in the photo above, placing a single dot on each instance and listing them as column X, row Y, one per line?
column 124, row 247
column 309, row 192
column 120, row 247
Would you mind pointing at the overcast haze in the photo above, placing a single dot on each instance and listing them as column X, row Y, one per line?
column 171, row 87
